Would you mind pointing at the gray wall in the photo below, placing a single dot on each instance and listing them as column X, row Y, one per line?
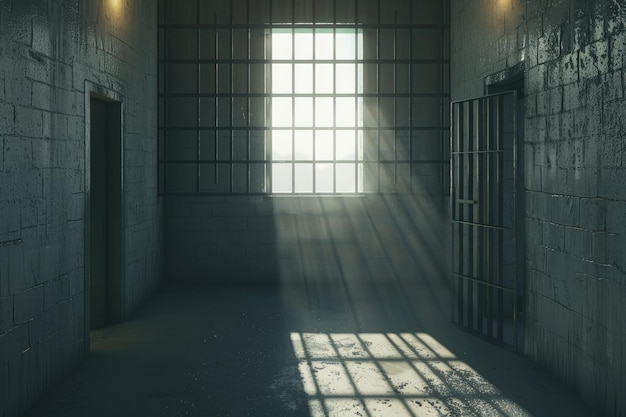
column 573, row 55
column 310, row 241
column 48, row 50
column 290, row 240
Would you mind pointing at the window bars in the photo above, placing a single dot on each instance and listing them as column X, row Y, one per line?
column 219, row 104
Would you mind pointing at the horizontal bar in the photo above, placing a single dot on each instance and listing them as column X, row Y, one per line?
column 462, row 201
column 489, row 284
column 486, row 226
column 298, row 95
column 302, row 61
column 476, row 152
column 321, row 129
column 228, row 26
column 289, row 194
column 299, row 161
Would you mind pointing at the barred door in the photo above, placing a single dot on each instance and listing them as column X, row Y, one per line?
column 483, row 200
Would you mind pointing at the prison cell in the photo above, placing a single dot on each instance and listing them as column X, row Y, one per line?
column 219, row 104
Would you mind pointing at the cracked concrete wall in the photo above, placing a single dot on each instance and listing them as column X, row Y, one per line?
column 575, row 220
column 51, row 51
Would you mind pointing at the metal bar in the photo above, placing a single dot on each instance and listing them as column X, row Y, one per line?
column 395, row 99
column 500, row 176
column 334, row 97
column 378, row 90
column 329, row 95
column 216, row 120
column 199, row 103
column 315, row 97
column 411, row 166
column 479, row 281
column 305, row 61
column 231, row 102
column 165, row 113
column 515, row 207
column 470, row 215
column 268, row 59
column 248, row 102
column 293, row 100
column 356, row 100
column 302, row 25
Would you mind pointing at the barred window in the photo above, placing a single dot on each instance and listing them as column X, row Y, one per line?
column 317, row 115
column 286, row 97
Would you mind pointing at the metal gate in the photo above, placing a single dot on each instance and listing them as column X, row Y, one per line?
column 483, row 200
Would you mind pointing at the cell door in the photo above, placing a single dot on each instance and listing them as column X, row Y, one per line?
column 483, row 201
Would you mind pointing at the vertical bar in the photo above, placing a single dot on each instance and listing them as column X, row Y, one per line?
column 459, row 192
column 470, row 213
column 334, row 96
column 314, row 99
column 165, row 110
column 216, row 119
column 411, row 161
column 248, row 101
column 199, row 111
column 232, row 88
column 269, row 132
column 356, row 96
column 395, row 100
column 500, row 182
column 515, row 223
column 293, row 98
column 481, row 220
column 378, row 91
column 488, row 214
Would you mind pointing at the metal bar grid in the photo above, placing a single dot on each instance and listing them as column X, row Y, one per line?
column 224, row 60
column 485, row 300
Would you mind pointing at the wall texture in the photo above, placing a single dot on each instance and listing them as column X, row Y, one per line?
column 575, row 223
column 51, row 52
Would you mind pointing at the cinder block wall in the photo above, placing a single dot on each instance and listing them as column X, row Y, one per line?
column 48, row 50
column 291, row 240
column 573, row 55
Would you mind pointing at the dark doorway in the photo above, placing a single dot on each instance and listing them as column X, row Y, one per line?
column 105, row 221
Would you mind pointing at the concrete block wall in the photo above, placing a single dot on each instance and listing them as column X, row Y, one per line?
column 309, row 246
column 51, row 52
column 573, row 57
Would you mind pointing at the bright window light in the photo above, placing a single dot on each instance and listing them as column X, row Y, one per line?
column 317, row 116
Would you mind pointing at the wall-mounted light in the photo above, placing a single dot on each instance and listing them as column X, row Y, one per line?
column 115, row 7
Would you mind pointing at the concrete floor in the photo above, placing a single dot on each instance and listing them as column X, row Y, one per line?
column 270, row 352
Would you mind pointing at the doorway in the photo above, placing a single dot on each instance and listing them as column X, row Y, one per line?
column 104, row 223
column 487, row 194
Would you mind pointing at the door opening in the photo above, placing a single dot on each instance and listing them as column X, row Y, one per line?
column 105, row 221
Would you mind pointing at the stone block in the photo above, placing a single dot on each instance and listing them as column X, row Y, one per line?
column 43, row 96
column 611, row 184
column 28, row 122
column 593, row 213
column 594, row 59
column 18, row 154
column 553, row 236
column 565, row 210
column 578, row 242
column 7, row 119
column 6, row 314
column 28, row 304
